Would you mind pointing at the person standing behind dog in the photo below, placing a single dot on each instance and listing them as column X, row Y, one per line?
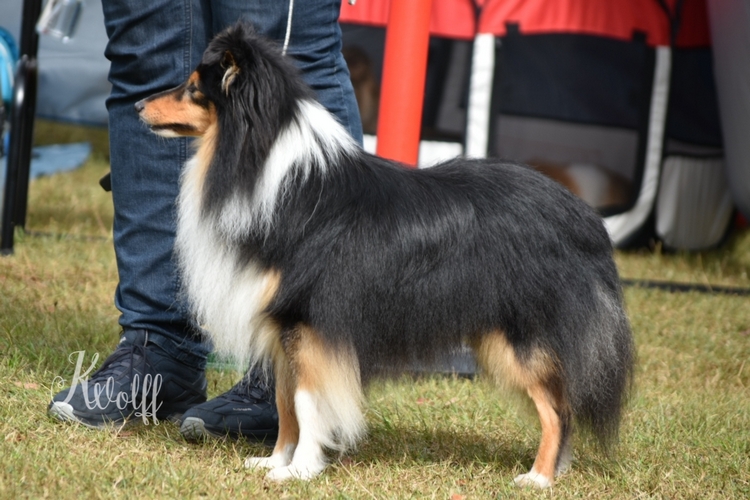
column 153, row 46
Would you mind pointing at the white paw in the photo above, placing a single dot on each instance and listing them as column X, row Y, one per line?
column 272, row 462
column 291, row 472
column 533, row 479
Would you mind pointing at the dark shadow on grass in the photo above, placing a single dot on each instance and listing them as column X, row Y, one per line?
column 507, row 455
column 402, row 444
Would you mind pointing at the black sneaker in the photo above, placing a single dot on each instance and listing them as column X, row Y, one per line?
column 247, row 410
column 139, row 382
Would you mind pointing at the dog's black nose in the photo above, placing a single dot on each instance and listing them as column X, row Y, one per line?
column 139, row 106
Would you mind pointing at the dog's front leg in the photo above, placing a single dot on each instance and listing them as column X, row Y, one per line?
column 327, row 395
column 304, row 383
column 309, row 458
column 322, row 397
column 288, row 437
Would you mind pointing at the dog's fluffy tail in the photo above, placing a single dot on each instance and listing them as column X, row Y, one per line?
column 599, row 373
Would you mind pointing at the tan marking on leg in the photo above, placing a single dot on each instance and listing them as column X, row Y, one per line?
column 267, row 336
column 319, row 365
column 288, row 423
column 331, row 375
column 495, row 354
column 535, row 375
column 327, row 402
column 288, row 437
column 273, row 282
column 549, row 448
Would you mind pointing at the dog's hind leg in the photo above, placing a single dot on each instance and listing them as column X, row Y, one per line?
column 327, row 402
column 537, row 374
column 553, row 457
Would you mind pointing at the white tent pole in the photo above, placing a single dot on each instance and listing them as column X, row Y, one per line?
column 480, row 96
column 621, row 226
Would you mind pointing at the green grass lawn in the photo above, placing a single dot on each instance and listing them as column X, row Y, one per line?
column 686, row 431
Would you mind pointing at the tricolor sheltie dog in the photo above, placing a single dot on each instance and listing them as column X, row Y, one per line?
column 300, row 251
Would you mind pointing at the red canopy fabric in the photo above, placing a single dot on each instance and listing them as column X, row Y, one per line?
column 449, row 19
column 694, row 29
column 616, row 19
column 609, row 18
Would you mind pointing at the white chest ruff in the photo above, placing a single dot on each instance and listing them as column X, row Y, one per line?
column 227, row 300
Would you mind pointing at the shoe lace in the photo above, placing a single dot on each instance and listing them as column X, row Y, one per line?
column 254, row 388
column 124, row 355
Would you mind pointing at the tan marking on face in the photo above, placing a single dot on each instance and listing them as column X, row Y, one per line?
column 176, row 113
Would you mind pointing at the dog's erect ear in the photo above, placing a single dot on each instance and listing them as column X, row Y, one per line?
column 231, row 70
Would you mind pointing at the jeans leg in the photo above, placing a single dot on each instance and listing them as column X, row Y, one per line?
column 153, row 45
column 315, row 45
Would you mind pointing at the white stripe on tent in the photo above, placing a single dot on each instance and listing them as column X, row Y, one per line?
column 480, row 95
column 623, row 225
column 430, row 152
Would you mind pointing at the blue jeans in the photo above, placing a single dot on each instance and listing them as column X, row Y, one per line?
column 155, row 45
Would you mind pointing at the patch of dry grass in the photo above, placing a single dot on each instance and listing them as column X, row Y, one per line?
column 728, row 266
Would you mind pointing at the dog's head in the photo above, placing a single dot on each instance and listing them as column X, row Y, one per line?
column 182, row 111
column 242, row 76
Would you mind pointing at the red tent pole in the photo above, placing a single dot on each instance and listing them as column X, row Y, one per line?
column 402, row 87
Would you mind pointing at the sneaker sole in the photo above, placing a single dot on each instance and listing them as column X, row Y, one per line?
column 194, row 429
column 64, row 412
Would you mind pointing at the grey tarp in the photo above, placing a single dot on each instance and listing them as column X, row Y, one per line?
column 730, row 33
column 72, row 76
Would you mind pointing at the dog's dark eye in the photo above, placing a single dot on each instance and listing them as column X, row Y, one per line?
column 195, row 95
